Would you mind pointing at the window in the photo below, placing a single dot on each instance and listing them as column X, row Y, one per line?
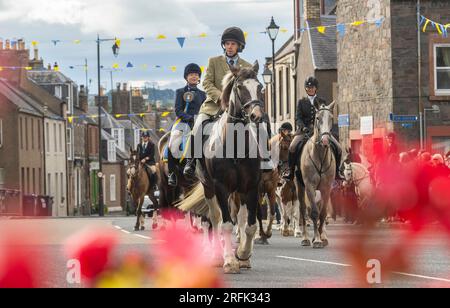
column 62, row 195
column 77, row 188
column 60, row 134
column 280, row 91
column 119, row 136
column 55, row 139
column 288, row 91
column 49, row 184
column 137, row 137
column 21, row 132
column 442, row 69
column 69, row 134
column 111, row 151
column 112, row 188
column 58, row 92
column 26, row 134
column 1, row 133
column 47, row 137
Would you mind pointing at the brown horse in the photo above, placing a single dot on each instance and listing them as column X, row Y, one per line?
column 270, row 180
column 139, row 185
column 221, row 176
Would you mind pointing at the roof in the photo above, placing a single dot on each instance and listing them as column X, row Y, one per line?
column 78, row 112
column 323, row 46
column 24, row 102
column 108, row 121
column 287, row 48
column 48, row 77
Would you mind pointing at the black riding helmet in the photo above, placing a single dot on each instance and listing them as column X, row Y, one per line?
column 286, row 126
column 311, row 82
column 192, row 68
column 145, row 134
column 234, row 34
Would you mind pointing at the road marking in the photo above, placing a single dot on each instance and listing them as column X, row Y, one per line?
column 314, row 261
column 118, row 228
column 348, row 265
column 143, row 236
column 125, row 231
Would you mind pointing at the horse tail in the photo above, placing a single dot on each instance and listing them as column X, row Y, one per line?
column 194, row 201
column 162, row 142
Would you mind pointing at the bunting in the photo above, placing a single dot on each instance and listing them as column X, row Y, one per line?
column 440, row 28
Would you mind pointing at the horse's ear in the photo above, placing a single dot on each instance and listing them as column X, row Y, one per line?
column 332, row 105
column 235, row 70
column 255, row 67
column 224, row 99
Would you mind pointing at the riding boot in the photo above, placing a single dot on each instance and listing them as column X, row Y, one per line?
column 289, row 174
column 189, row 169
column 171, row 164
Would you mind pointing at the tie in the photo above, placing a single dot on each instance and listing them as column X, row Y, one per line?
column 231, row 62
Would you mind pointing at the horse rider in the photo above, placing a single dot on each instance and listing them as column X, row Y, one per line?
column 187, row 105
column 305, row 118
column 233, row 43
column 146, row 152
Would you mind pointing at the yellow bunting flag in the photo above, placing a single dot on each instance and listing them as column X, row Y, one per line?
column 56, row 68
column 203, row 35
column 161, row 37
column 246, row 35
column 142, row 115
column 321, row 29
column 76, row 41
column 115, row 66
column 162, row 130
column 202, row 68
column 118, row 116
column 34, row 43
column 284, row 30
column 144, row 66
column 28, row 68
column 358, row 23
column 165, row 114
column 70, row 119
column 426, row 25
column 173, row 68
column 117, row 41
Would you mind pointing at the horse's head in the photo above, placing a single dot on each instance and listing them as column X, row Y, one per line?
column 242, row 95
column 133, row 166
column 348, row 172
column 285, row 140
column 324, row 124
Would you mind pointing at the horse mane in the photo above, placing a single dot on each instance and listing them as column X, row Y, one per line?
column 161, row 143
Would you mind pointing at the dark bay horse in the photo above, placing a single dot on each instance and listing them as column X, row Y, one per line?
column 222, row 174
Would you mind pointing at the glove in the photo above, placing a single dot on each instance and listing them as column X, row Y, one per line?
column 305, row 130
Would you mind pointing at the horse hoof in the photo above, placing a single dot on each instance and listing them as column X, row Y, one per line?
column 269, row 234
column 325, row 243
column 298, row 234
column 232, row 267
column 318, row 245
column 245, row 264
column 154, row 226
column 136, row 228
column 285, row 233
column 306, row 243
column 261, row 241
column 291, row 233
column 142, row 228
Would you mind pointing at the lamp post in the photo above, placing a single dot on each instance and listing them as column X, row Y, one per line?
column 267, row 77
column 272, row 30
column 101, row 205
column 435, row 109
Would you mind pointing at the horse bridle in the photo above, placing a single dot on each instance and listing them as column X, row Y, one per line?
column 356, row 182
column 244, row 116
column 325, row 133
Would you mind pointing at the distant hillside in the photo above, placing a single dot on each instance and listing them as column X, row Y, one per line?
column 166, row 96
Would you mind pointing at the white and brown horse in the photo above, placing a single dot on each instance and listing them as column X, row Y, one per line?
column 222, row 174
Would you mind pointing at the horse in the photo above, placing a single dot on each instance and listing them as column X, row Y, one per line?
column 290, row 205
column 170, row 195
column 239, row 172
column 139, row 185
column 270, row 180
column 318, row 168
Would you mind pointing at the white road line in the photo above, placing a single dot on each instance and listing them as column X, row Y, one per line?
column 314, row 261
column 348, row 265
column 125, row 231
column 118, row 228
column 143, row 236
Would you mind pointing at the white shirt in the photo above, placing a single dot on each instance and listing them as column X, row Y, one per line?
column 144, row 145
column 312, row 98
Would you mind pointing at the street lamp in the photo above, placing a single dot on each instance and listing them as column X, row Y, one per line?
column 267, row 77
column 272, row 30
column 101, row 205
column 434, row 109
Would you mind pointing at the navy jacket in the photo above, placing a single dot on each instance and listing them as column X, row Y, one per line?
column 148, row 152
column 306, row 113
column 187, row 115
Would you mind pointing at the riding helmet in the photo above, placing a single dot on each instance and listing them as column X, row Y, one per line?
column 192, row 68
column 312, row 82
column 145, row 134
column 286, row 126
column 234, row 34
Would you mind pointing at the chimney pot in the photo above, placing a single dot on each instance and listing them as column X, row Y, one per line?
column 7, row 45
column 1, row 44
column 125, row 85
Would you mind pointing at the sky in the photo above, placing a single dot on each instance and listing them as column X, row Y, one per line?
column 69, row 20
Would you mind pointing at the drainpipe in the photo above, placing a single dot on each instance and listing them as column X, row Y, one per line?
column 419, row 80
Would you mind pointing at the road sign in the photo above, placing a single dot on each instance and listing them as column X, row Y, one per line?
column 403, row 118
column 367, row 125
column 344, row 120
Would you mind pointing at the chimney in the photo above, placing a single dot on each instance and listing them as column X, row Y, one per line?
column 83, row 99
column 125, row 85
column 49, row 67
column 14, row 45
column 36, row 54
column 118, row 86
column 7, row 45
column 312, row 9
column 1, row 44
column 21, row 44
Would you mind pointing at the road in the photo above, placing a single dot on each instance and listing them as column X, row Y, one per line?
column 283, row 263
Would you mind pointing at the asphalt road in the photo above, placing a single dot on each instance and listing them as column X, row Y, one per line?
column 283, row 263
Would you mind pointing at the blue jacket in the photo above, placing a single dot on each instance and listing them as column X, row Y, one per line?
column 184, row 112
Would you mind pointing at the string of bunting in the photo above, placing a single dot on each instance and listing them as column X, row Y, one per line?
column 440, row 28
column 341, row 28
column 117, row 116
column 114, row 67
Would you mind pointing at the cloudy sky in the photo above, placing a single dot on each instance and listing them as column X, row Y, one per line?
column 69, row 20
